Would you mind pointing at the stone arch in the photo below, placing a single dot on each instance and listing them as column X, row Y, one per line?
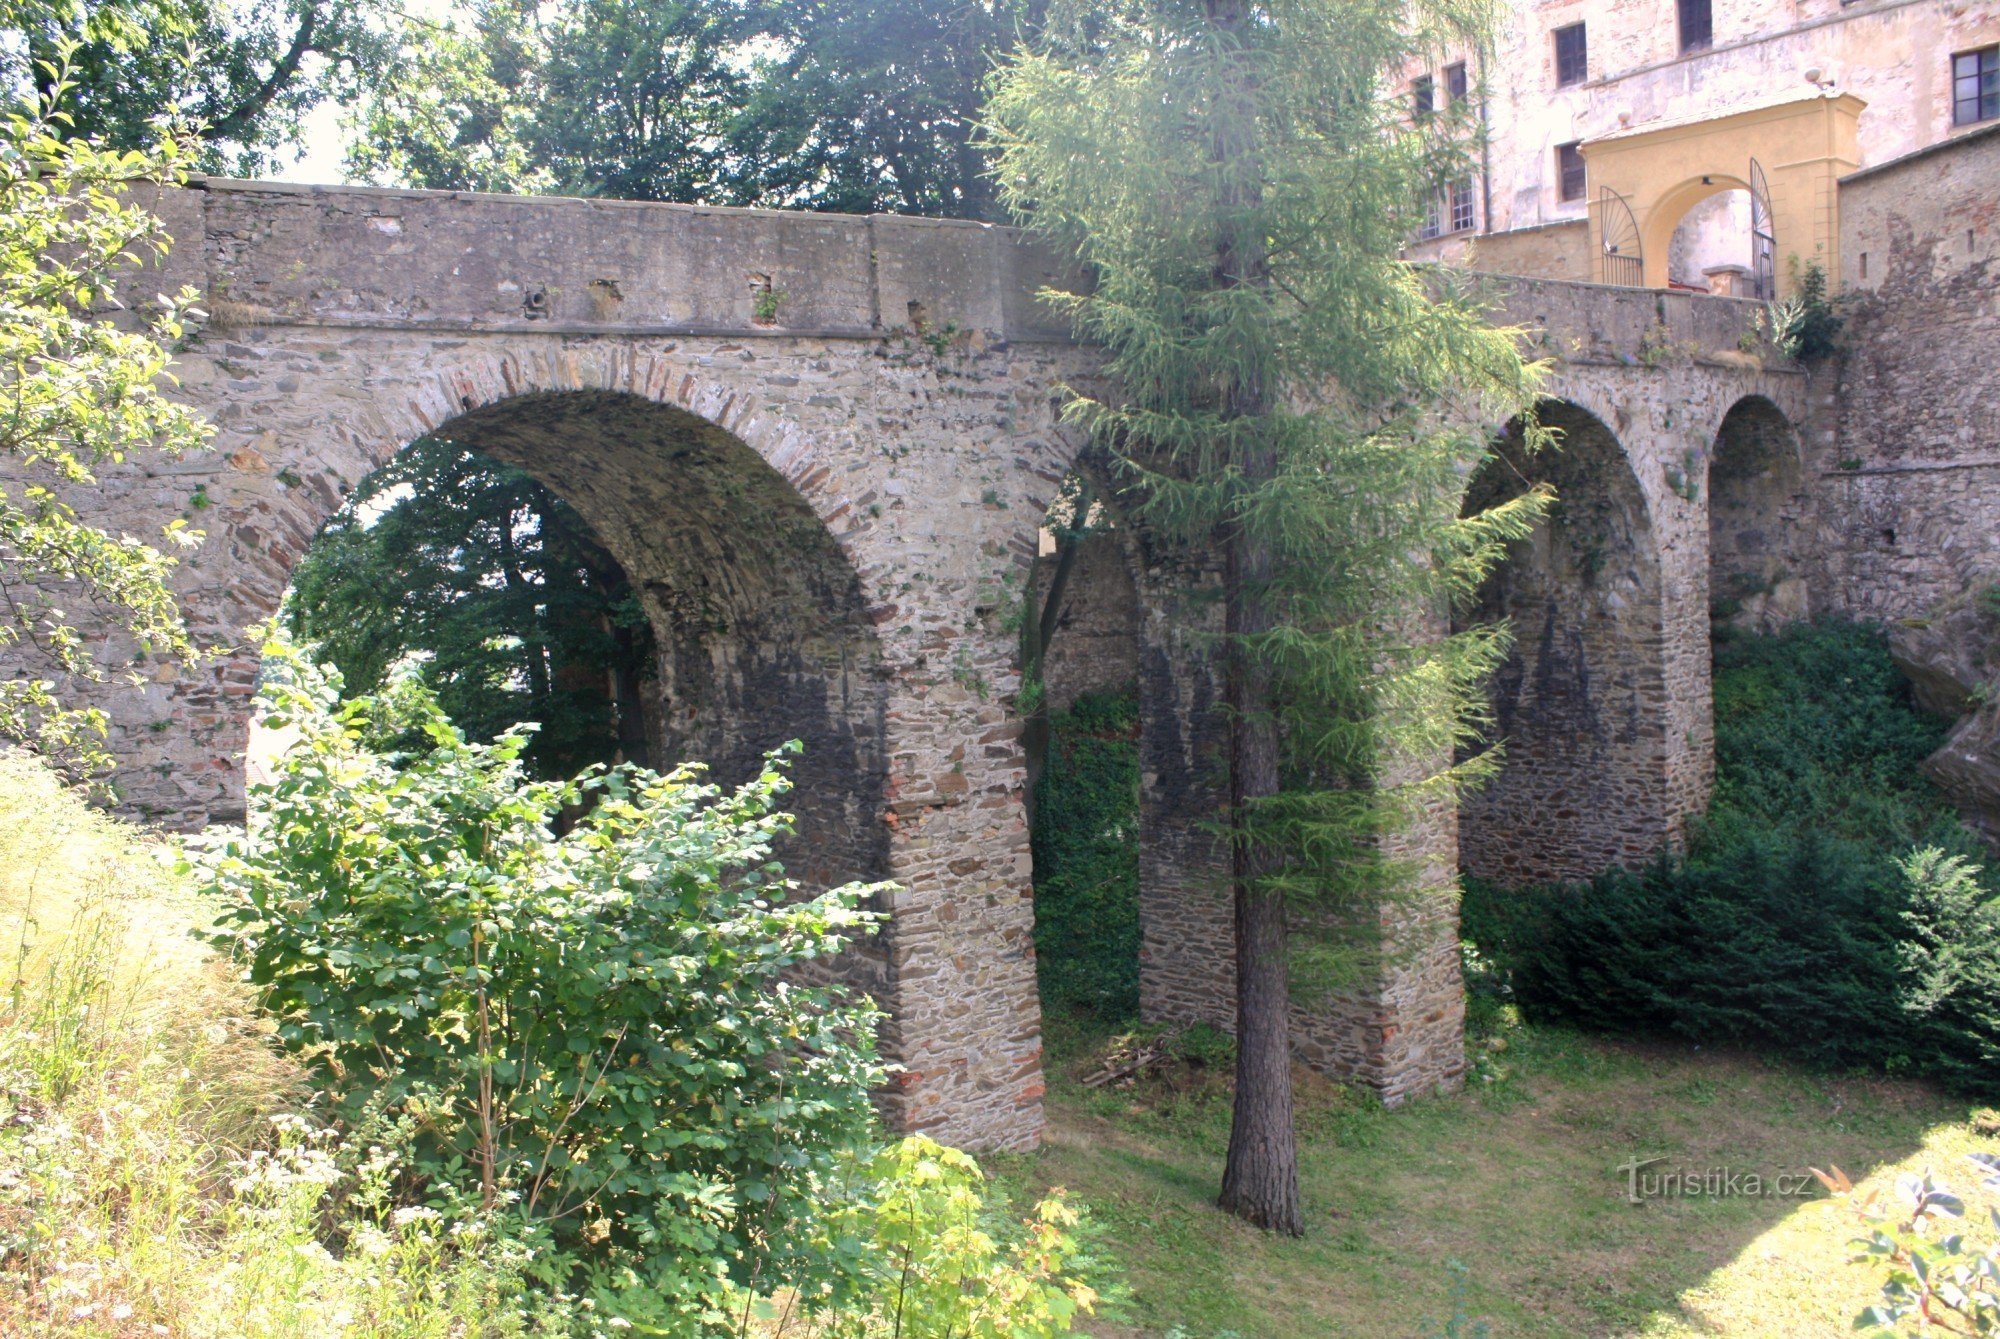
column 1579, row 705
column 280, row 489
column 761, row 623
column 1757, row 515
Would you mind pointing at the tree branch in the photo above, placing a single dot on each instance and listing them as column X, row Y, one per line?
column 237, row 123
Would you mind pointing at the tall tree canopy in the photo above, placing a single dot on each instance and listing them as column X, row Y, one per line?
column 496, row 590
column 1240, row 183
column 820, row 104
column 242, row 74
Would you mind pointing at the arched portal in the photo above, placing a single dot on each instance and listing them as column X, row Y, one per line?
column 1664, row 169
column 1579, row 704
column 1712, row 248
column 1756, row 519
column 758, row 618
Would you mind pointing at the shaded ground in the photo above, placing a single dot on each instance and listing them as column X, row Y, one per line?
column 1517, row 1178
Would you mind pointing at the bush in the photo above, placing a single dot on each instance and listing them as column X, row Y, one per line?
column 1086, row 847
column 146, row 1185
column 1798, row 920
column 1804, row 325
column 605, row 1032
column 941, row 1260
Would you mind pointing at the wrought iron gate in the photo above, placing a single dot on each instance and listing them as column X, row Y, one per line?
column 1763, row 242
column 1621, row 260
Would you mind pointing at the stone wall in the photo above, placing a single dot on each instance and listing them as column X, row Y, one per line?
column 1905, row 452
column 1609, row 735
column 1580, row 705
column 1759, row 520
column 1096, row 646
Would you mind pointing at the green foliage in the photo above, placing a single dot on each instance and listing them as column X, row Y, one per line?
column 1949, row 956
column 85, row 387
column 1795, row 922
column 1086, row 848
column 145, row 1185
column 1804, row 326
column 241, row 76
column 849, row 106
column 1238, row 184
column 606, row 1031
column 942, row 1262
column 1294, row 405
column 1936, row 1282
column 498, row 594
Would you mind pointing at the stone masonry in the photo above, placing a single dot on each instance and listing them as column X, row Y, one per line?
column 822, row 447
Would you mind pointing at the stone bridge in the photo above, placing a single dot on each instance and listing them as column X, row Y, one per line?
column 822, row 448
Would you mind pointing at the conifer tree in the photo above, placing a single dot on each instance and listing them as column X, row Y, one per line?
column 1298, row 398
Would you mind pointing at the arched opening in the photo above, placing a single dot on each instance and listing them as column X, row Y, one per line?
column 1712, row 250
column 758, row 628
column 1579, row 703
column 1080, row 652
column 1756, row 520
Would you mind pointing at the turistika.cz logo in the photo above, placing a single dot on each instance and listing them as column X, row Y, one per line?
column 1648, row 1179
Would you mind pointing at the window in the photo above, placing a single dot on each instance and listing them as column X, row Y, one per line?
column 1572, row 56
column 1697, row 24
column 1975, row 86
column 1423, row 97
column 1569, row 171
column 1454, row 82
column 1464, row 213
column 1452, row 208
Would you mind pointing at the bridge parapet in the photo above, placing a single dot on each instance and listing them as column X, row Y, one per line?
column 448, row 260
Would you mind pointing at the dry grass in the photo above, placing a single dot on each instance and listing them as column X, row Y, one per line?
column 1518, row 1179
column 145, row 1187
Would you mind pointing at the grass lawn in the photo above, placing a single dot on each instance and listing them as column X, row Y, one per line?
column 1516, row 1179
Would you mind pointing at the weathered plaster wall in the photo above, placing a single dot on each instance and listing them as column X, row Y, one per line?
column 1905, row 452
column 1894, row 54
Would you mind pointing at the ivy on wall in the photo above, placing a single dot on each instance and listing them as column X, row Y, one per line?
column 1086, row 847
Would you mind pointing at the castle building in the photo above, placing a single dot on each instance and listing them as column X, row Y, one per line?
column 1697, row 144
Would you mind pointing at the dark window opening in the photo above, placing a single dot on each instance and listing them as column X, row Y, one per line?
column 1423, row 97
column 1454, row 83
column 1975, row 86
column 1569, row 171
column 1697, row 24
column 1572, row 56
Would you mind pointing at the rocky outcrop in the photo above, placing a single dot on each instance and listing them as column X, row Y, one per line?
column 1952, row 659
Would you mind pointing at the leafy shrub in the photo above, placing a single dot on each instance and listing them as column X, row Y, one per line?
column 1804, row 325
column 1794, row 922
column 1935, row 1283
column 605, row 1031
column 940, row 1261
column 1086, row 847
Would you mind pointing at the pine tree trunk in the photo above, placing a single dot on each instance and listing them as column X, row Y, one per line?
column 1260, row 1181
